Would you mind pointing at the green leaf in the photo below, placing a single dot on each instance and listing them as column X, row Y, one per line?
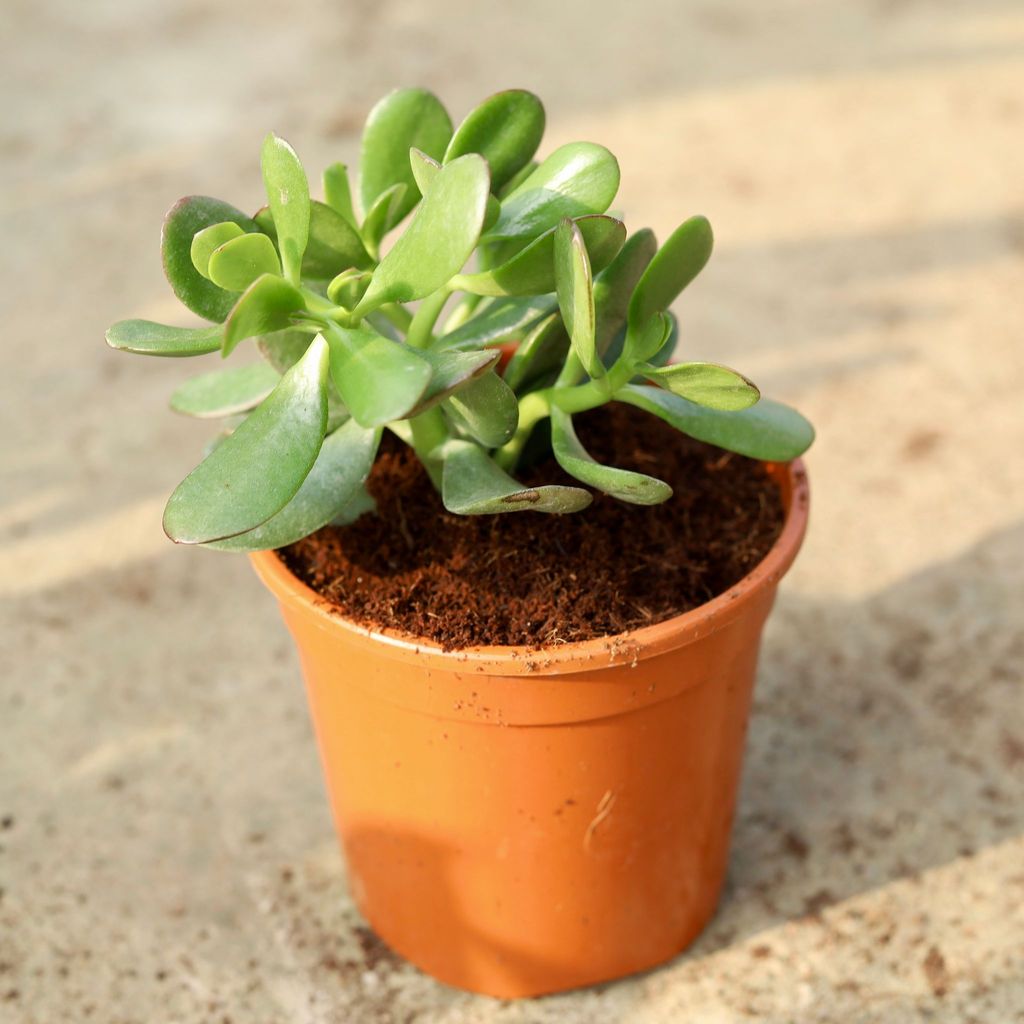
column 266, row 306
column 497, row 322
column 225, row 392
column 348, row 287
column 541, row 351
column 768, row 430
column 451, row 371
column 237, row 263
column 624, row 484
column 424, row 169
column 516, row 180
column 707, row 384
column 645, row 342
column 333, row 486
column 613, row 286
column 673, row 267
column 403, row 119
column 283, row 349
column 378, row 379
column 486, row 409
column 472, row 484
column 440, row 238
column 531, row 271
column 505, row 130
column 185, row 219
column 359, row 504
column 333, row 244
column 288, row 196
column 252, row 474
column 382, row 216
column 209, row 239
column 338, row 192
column 576, row 295
column 577, row 179
column 668, row 348
column 151, row 339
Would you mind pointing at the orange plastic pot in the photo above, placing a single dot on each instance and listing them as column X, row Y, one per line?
column 519, row 822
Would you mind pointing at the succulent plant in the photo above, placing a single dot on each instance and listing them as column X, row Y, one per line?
column 509, row 249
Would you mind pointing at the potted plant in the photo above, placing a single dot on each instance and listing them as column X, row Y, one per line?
column 521, row 812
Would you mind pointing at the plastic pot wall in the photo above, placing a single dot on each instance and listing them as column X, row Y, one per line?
column 519, row 822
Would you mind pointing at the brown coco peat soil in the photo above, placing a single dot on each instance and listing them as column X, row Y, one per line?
column 534, row 579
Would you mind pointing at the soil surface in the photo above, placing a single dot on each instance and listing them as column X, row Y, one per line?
column 534, row 579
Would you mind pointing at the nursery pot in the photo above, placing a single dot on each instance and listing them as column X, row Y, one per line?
column 517, row 822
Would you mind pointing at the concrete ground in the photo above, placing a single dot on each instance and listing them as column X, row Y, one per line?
column 165, row 848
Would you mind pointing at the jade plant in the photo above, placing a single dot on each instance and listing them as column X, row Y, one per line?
column 498, row 248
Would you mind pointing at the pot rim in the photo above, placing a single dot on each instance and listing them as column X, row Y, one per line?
column 621, row 648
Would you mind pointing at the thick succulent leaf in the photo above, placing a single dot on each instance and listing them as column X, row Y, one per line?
column 505, row 129
column 667, row 351
column 359, row 504
column 613, row 286
column 577, row 179
column 424, row 169
column 378, row 379
column 707, row 384
column 486, row 409
column 624, row 484
column 575, row 286
column 382, row 216
column 283, row 349
column 333, row 244
column 543, row 349
column 238, row 262
column 266, row 306
column 205, row 241
column 332, row 488
column 338, row 192
column 644, row 342
column 531, row 271
column 225, row 392
column 768, row 430
column 451, row 371
column 439, row 239
column 472, row 484
column 185, row 219
column 497, row 322
column 253, row 473
column 348, row 287
column 152, row 339
column 517, row 179
column 672, row 268
column 288, row 196
column 403, row 119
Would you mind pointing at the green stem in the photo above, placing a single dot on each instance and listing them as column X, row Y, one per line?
column 422, row 326
column 461, row 313
column 397, row 315
column 533, row 408
column 429, row 432
column 571, row 398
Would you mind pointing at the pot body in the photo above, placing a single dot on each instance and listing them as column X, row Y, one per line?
column 520, row 822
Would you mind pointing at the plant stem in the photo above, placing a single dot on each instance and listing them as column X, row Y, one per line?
column 571, row 398
column 532, row 409
column 398, row 315
column 429, row 432
column 422, row 326
column 462, row 312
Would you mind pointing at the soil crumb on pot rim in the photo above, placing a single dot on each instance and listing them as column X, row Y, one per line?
column 528, row 579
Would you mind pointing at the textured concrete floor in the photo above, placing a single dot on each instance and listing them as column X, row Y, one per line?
column 165, row 848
